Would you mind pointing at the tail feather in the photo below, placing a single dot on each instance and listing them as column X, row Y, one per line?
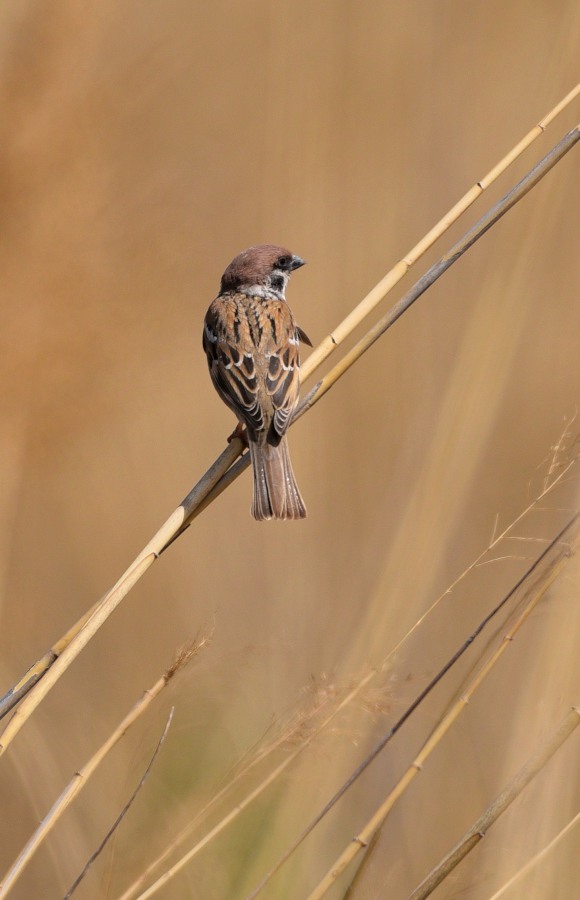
column 276, row 494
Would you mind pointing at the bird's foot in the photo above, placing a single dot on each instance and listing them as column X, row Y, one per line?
column 239, row 433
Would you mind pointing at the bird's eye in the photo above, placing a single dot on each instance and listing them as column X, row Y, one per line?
column 284, row 262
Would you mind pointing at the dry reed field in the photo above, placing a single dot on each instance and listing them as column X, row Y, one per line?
column 345, row 706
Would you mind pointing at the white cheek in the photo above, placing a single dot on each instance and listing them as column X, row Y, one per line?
column 257, row 290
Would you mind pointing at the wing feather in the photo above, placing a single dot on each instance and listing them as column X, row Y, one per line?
column 252, row 349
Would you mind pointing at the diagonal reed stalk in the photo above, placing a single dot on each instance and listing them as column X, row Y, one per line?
column 96, row 853
column 33, row 690
column 479, row 829
column 38, row 681
column 537, row 858
column 82, row 776
column 380, row 290
column 418, row 289
column 382, row 743
column 363, row 838
column 194, row 502
column 239, row 807
column 343, row 703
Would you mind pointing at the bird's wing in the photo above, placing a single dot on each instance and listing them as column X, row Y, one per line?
column 282, row 377
column 252, row 346
column 232, row 366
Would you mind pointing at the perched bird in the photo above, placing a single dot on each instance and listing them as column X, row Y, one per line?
column 252, row 346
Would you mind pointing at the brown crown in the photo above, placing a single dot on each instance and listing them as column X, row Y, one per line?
column 252, row 266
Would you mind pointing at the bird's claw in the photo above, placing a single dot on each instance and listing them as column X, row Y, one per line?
column 239, row 433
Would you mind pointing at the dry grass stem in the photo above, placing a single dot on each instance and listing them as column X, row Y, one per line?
column 349, row 698
column 109, row 603
column 221, row 825
column 559, row 448
column 35, row 673
column 198, row 497
column 392, row 278
column 402, row 305
column 537, row 858
column 308, row 734
column 39, row 680
column 438, row 475
column 124, row 811
column 373, row 843
column 478, row 560
column 61, row 664
column 438, row 269
column 548, row 487
column 82, row 776
column 362, row 839
column 478, row 830
column 104, row 607
column 380, row 746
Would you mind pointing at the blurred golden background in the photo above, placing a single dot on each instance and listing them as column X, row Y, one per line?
column 143, row 146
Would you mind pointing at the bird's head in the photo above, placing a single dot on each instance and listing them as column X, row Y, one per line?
column 265, row 267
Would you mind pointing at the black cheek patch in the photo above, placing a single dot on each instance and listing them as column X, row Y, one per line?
column 277, row 282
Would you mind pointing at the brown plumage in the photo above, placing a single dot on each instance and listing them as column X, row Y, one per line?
column 252, row 346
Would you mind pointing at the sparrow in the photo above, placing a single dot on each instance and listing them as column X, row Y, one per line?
column 252, row 346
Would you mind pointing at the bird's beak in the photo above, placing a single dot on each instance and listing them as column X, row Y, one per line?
column 297, row 261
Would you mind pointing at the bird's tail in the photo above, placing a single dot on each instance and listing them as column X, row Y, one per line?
column 276, row 494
